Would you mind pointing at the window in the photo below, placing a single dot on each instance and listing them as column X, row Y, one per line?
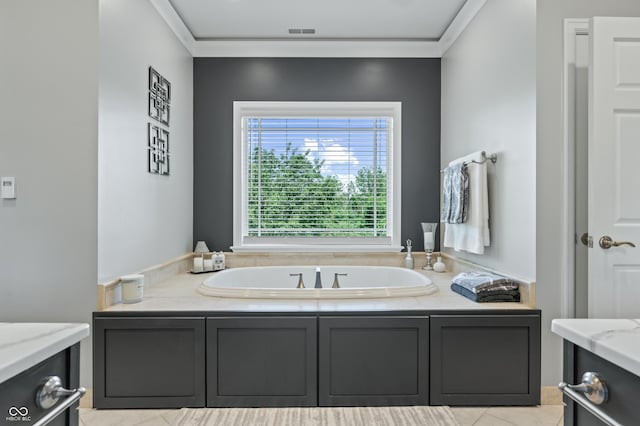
column 316, row 176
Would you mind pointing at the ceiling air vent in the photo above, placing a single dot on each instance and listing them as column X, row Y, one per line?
column 302, row 31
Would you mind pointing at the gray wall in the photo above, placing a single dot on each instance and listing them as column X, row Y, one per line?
column 549, row 135
column 49, row 142
column 144, row 219
column 220, row 81
column 489, row 104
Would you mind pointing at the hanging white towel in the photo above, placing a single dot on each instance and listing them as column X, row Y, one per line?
column 473, row 235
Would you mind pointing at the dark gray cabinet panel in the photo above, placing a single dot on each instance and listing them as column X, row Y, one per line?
column 149, row 362
column 373, row 361
column 260, row 361
column 485, row 360
column 623, row 386
column 20, row 391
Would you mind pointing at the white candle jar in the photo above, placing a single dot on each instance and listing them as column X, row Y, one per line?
column 132, row 288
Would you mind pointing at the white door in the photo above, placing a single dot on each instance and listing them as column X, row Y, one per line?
column 614, row 167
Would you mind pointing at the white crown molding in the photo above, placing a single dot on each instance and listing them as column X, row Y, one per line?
column 319, row 48
column 459, row 24
column 173, row 20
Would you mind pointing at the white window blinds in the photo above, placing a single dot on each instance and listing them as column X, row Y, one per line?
column 321, row 177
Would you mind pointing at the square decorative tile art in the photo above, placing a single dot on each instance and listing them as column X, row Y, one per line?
column 158, row 150
column 159, row 97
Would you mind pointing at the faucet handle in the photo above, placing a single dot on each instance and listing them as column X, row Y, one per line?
column 336, row 284
column 300, row 282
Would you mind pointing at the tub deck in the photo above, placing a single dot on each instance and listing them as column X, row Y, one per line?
column 179, row 293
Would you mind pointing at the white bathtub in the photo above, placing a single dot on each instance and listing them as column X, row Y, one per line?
column 274, row 282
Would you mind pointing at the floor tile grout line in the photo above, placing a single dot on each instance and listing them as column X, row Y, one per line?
column 538, row 407
column 484, row 411
column 499, row 418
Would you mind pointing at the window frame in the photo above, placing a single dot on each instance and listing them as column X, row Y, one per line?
column 243, row 243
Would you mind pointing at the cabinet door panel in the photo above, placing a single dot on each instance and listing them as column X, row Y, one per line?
column 19, row 391
column 623, row 386
column 261, row 361
column 149, row 362
column 373, row 360
column 485, row 360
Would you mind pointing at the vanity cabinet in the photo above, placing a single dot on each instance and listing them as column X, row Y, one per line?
column 485, row 359
column 373, row 360
column 623, row 386
column 19, row 391
column 262, row 361
column 149, row 362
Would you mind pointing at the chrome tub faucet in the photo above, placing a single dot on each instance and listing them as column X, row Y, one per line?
column 336, row 284
column 300, row 282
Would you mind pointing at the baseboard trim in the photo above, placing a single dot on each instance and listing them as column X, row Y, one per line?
column 550, row 395
column 87, row 400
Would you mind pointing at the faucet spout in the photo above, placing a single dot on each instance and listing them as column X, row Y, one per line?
column 336, row 284
column 318, row 279
column 300, row 282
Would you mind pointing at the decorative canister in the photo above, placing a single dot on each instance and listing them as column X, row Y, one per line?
column 218, row 261
column 132, row 288
column 439, row 266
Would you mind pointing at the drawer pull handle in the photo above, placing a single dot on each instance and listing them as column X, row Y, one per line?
column 48, row 394
column 596, row 392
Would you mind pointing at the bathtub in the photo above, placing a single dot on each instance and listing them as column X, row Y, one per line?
column 275, row 282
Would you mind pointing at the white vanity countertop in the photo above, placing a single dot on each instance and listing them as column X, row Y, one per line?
column 23, row 345
column 179, row 293
column 616, row 340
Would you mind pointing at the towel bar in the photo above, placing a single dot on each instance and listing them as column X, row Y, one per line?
column 493, row 158
column 591, row 384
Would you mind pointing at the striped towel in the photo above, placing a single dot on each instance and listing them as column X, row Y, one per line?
column 455, row 194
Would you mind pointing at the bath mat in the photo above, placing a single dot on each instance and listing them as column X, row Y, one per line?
column 317, row 416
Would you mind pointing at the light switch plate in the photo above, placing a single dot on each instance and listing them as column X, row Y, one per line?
column 7, row 188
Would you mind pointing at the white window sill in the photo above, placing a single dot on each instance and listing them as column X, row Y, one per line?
column 301, row 248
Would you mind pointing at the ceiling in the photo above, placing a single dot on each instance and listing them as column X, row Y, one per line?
column 424, row 20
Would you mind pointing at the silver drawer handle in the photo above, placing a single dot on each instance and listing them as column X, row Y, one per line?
column 595, row 389
column 48, row 394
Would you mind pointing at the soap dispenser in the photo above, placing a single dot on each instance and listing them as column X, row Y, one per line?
column 408, row 260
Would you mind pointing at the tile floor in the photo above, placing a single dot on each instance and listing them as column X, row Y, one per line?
column 545, row 415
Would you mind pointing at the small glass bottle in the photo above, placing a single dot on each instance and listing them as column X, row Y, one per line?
column 408, row 260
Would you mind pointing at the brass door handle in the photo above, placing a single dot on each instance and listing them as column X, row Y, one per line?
column 607, row 242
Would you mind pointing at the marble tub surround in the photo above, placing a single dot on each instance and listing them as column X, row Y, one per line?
column 171, row 285
column 615, row 340
column 110, row 293
column 23, row 345
column 178, row 293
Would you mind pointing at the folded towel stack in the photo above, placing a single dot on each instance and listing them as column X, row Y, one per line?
column 485, row 287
